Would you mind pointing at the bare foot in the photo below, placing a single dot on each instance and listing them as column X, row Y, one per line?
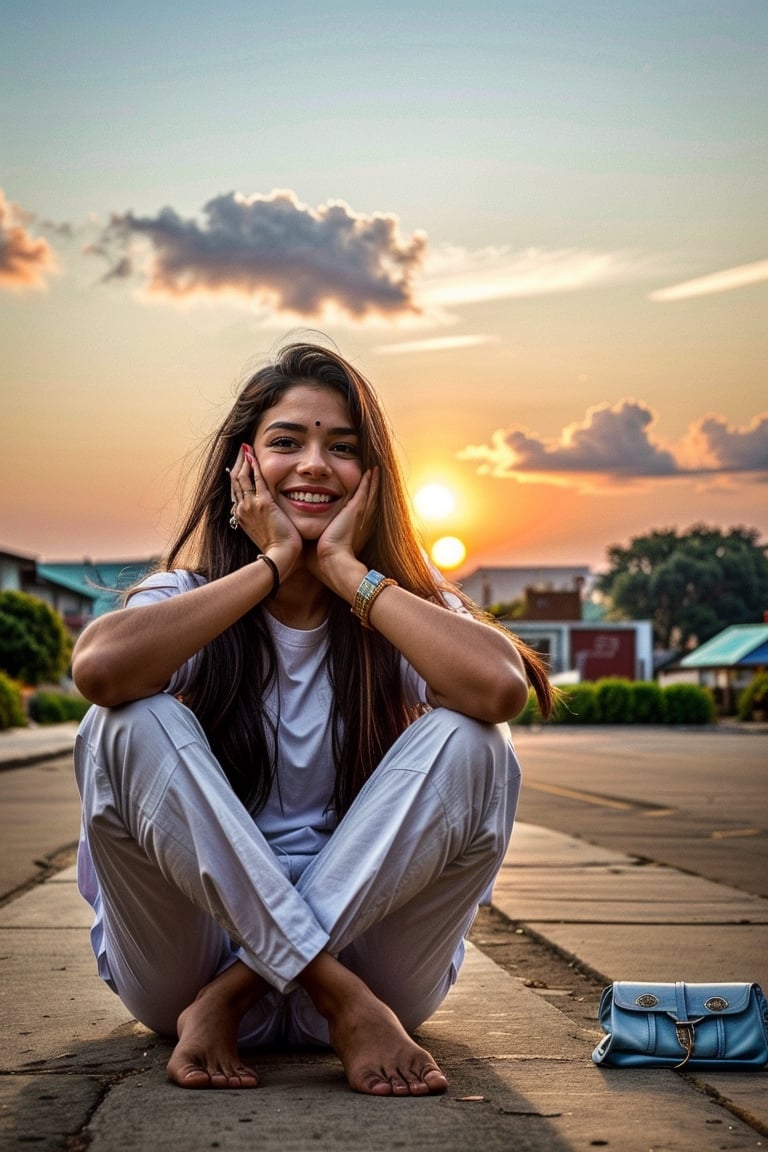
column 206, row 1055
column 379, row 1057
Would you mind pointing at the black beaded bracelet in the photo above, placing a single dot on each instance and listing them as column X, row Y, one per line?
column 275, row 573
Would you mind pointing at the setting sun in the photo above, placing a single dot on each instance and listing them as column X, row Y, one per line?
column 434, row 501
column 448, row 552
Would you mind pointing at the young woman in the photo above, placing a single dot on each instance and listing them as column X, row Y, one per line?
column 298, row 782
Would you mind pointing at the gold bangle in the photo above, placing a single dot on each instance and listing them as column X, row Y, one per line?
column 370, row 586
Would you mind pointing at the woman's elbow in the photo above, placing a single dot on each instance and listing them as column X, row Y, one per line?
column 507, row 699
column 95, row 680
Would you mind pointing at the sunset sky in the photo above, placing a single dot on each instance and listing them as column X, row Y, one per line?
column 539, row 227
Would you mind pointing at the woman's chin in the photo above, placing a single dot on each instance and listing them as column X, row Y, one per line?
column 311, row 533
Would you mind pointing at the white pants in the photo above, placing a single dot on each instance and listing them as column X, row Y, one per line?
column 183, row 882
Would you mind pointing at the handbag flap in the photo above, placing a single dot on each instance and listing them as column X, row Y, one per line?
column 699, row 999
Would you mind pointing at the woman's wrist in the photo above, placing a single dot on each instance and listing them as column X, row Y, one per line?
column 367, row 591
column 280, row 563
column 343, row 576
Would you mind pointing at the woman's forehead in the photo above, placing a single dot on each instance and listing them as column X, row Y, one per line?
column 310, row 404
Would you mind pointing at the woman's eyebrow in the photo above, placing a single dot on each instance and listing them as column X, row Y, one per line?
column 287, row 426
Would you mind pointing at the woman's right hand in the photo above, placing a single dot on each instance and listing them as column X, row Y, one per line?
column 259, row 516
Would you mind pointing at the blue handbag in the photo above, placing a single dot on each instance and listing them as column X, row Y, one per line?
column 705, row 1026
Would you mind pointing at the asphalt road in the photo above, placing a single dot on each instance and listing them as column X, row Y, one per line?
column 697, row 800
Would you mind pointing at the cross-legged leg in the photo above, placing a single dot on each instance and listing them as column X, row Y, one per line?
column 188, row 897
column 399, row 883
column 186, row 883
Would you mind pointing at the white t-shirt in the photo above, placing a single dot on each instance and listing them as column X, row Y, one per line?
column 298, row 817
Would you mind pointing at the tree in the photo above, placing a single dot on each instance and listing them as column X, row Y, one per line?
column 34, row 644
column 690, row 585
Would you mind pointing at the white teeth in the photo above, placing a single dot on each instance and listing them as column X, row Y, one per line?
column 310, row 497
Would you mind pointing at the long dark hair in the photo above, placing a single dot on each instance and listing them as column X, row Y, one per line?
column 233, row 672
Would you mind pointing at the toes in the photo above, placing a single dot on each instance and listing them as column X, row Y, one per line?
column 434, row 1079
column 191, row 1077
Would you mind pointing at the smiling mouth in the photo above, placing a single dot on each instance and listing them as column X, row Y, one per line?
column 310, row 497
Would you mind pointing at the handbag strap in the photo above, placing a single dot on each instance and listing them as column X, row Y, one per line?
column 685, row 1031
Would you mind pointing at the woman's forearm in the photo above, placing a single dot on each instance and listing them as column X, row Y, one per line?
column 133, row 652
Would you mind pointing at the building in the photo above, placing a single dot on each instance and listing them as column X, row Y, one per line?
column 560, row 621
column 590, row 649
column 726, row 663
column 489, row 586
column 78, row 591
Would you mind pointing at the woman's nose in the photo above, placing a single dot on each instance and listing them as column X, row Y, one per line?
column 314, row 461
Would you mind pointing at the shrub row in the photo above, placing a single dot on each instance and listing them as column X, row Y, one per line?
column 55, row 707
column 615, row 701
column 12, row 713
column 43, row 707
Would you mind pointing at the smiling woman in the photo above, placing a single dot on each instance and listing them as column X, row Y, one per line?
column 259, row 699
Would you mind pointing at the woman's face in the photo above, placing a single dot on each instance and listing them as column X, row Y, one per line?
column 309, row 455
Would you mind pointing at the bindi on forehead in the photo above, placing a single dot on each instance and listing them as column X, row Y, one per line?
column 317, row 424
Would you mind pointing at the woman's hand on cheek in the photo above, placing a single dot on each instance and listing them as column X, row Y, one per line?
column 257, row 513
column 347, row 533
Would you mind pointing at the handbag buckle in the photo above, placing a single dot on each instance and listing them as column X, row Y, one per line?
column 686, row 1035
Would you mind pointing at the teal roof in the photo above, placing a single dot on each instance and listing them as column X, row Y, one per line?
column 100, row 582
column 741, row 644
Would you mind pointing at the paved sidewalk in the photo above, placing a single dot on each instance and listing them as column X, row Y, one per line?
column 79, row 1072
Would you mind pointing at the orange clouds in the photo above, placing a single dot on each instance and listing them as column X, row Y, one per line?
column 618, row 441
column 25, row 261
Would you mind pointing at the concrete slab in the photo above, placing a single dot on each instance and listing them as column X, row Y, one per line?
column 520, row 1075
column 622, row 894
column 45, row 1110
column 532, row 845
column 558, row 1102
column 668, row 952
column 498, row 1107
column 54, row 905
column 52, row 1004
column 21, row 746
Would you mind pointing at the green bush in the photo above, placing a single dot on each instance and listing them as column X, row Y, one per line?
column 648, row 702
column 615, row 700
column 34, row 644
column 754, row 698
column 12, row 713
column 688, row 704
column 530, row 713
column 578, row 704
column 56, row 707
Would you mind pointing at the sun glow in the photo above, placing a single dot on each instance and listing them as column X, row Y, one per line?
column 448, row 552
column 434, row 501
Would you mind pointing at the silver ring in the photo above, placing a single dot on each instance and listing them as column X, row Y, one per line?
column 234, row 522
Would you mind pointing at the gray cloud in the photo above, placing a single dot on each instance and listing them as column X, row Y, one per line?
column 736, row 449
column 274, row 250
column 25, row 260
column 617, row 442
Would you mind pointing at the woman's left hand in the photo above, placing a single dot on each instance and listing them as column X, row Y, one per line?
column 347, row 534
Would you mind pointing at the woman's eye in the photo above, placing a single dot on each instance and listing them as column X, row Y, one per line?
column 346, row 449
column 282, row 442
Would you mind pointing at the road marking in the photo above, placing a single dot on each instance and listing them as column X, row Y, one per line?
column 585, row 797
column 732, row 833
column 598, row 800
